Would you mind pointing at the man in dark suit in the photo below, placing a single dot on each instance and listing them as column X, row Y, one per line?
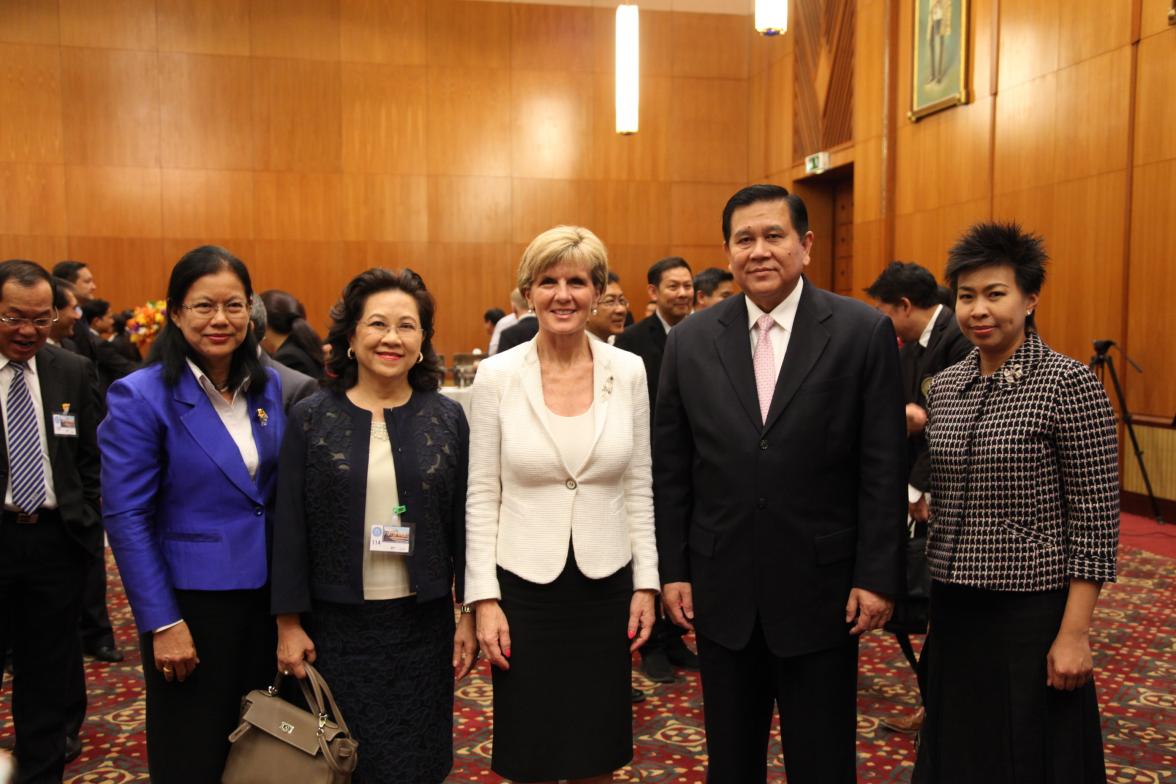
column 49, row 529
column 296, row 385
column 909, row 296
column 110, row 363
column 671, row 288
column 526, row 328
column 778, row 464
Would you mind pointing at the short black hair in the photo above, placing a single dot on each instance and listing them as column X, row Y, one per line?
column 493, row 315
column 613, row 277
column 342, row 370
column 172, row 350
column 68, row 270
column 95, row 308
column 120, row 321
column 993, row 244
column 285, row 315
column 905, row 280
column 662, row 266
column 24, row 273
column 60, row 287
column 797, row 211
column 710, row 279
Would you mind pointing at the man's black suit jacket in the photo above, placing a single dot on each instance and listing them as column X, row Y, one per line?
column 67, row 378
column 110, row 364
column 646, row 339
column 518, row 334
column 946, row 347
column 778, row 521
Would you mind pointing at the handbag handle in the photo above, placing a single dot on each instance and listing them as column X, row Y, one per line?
column 314, row 686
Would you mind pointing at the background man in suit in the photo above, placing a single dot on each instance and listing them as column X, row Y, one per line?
column 49, row 529
column 909, row 296
column 671, row 287
column 526, row 328
column 296, row 385
column 68, row 312
column 779, row 460
column 518, row 306
column 712, row 286
column 111, row 365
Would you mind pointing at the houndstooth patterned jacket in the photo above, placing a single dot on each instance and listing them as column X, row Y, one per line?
column 1024, row 473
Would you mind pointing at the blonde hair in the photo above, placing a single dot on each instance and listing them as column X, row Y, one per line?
column 564, row 243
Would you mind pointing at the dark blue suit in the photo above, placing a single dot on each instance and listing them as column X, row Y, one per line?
column 190, row 531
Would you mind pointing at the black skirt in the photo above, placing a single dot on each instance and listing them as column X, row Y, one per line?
column 990, row 715
column 389, row 665
column 563, row 709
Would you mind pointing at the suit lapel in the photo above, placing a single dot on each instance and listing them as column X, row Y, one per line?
column 209, row 432
column 602, row 390
column 52, row 399
column 805, row 346
column 733, row 346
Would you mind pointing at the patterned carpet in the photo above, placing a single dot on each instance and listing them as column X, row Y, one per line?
column 1135, row 654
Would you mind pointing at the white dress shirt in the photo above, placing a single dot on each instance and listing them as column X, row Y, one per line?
column 34, row 385
column 784, row 315
column 235, row 416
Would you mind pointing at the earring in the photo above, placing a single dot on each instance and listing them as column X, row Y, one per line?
column 350, row 353
column 594, row 311
column 420, row 358
column 1029, row 313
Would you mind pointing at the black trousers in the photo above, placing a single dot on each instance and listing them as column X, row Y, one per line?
column 95, row 631
column 41, row 570
column 816, row 695
column 188, row 724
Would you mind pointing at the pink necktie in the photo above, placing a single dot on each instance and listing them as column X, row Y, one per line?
column 765, row 365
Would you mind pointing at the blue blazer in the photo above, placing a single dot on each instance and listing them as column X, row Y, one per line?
column 179, row 506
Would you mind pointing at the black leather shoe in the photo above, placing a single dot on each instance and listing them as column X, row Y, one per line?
column 638, row 696
column 106, row 653
column 657, row 667
column 73, row 747
column 681, row 656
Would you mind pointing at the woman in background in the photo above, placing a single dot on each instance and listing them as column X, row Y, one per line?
column 189, row 470
column 289, row 337
column 1023, row 534
column 370, row 535
column 560, row 558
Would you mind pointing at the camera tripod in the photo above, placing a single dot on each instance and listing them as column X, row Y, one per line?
column 1100, row 362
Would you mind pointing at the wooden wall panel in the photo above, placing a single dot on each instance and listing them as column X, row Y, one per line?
column 30, row 22
column 385, row 207
column 1154, row 16
column 469, row 209
column 539, row 204
column 203, row 26
column 464, row 33
column 114, row 24
column 306, row 29
column 207, row 203
column 708, row 138
column 112, row 101
column 552, row 38
column 696, row 212
column 1088, row 28
column 710, row 46
column 384, row 124
column 192, row 134
column 30, row 103
column 1025, row 135
column 1093, row 112
column 1155, row 111
column 127, row 270
column 469, row 120
column 377, row 31
column 1028, row 40
column 32, row 198
column 656, row 35
column 33, row 247
column 551, row 124
column 296, row 115
column 640, row 156
column 298, row 206
column 633, row 213
column 113, row 202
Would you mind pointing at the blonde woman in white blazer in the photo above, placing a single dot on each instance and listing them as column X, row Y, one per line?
column 561, row 561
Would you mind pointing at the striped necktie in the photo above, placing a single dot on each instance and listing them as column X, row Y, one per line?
column 25, row 469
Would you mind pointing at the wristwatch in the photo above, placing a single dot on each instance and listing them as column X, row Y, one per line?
column 467, row 609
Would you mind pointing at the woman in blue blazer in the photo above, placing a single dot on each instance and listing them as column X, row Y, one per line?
column 189, row 454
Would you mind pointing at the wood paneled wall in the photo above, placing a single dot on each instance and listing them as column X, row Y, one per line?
column 315, row 138
column 1069, row 132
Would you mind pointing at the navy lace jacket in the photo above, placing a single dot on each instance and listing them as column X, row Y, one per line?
column 319, row 534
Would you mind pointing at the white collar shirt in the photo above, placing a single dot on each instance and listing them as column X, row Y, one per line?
column 784, row 315
column 925, row 338
column 32, row 380
column 665, row 324
column 234, row 415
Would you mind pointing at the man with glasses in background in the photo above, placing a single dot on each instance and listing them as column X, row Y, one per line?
column 49, row 461
column 607, row 319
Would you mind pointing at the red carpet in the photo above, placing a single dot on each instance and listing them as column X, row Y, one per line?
column 1135, row 654
column 1146, row 534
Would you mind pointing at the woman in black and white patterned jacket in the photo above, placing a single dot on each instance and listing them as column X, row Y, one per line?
column 1024, row 532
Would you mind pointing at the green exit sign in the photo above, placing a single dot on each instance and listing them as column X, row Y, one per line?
column 816, row 163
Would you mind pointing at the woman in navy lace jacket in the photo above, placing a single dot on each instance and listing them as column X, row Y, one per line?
column 370, row 532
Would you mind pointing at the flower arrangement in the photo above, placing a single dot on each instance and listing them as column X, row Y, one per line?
column 145, row 323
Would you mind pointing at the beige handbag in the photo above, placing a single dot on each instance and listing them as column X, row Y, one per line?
column 280, row 743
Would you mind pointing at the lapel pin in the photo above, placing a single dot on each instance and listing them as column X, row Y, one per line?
column 65, row 408
column 262, row 417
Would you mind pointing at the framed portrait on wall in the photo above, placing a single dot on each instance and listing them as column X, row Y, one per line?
column 940, row 62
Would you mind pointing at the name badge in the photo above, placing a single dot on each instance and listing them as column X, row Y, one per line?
column 392, row 539
column 65, row 424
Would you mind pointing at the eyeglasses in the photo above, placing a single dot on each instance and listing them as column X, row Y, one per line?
column 233, row 309
column 405, row 330
column 613, row 302
column 16, row 322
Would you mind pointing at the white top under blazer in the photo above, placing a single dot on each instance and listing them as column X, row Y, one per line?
column 524, row 503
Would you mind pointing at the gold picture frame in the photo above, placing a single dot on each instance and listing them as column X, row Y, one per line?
column 940, row 61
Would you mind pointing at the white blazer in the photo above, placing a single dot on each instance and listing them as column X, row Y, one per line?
column 523, row 502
